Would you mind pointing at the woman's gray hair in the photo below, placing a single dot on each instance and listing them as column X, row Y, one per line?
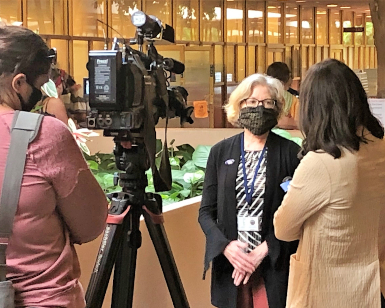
column 244, row 90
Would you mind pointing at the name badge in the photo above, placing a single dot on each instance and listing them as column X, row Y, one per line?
column 249, row 223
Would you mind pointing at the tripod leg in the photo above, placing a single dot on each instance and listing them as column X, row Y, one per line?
column 125, row 265
column 167, row 262
column 103, row 266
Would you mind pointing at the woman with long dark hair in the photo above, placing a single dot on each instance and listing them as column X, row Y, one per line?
column 336, row 199
column 61, row 203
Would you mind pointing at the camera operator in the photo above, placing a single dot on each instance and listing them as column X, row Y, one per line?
column 60, row 201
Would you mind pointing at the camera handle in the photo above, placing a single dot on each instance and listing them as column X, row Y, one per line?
column 122, row 237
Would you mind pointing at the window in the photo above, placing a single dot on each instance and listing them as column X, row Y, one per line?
column 234, row 21
column 335, row 27
column 159, row 8
column 62, row 53
column 186, row 20
column 9, row 12
column 211, row 20
column 358, row 36
column 230, row 63
column 347, row 22
column 255, row 21
column 46, row 16
column 121, row 12
column 291, row 26
column 322, row 27
column 80, row 49
column 369, row 30
column 307, row 25
column 218, row 63
column 274, row 25
column 86, row 14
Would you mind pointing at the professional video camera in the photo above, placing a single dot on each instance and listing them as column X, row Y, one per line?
column 128, row 92
column 124, row 81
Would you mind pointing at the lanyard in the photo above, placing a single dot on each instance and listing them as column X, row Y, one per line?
column 249, row 194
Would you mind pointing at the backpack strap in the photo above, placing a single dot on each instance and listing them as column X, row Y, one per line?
column 24, row 130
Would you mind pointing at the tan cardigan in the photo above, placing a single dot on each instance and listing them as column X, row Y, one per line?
column 334, row 208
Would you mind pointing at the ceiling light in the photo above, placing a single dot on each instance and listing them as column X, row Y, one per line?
column 271, row 7
column 332, row 5
column 346, row 7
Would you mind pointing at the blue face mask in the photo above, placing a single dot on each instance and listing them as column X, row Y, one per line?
column 33, row 99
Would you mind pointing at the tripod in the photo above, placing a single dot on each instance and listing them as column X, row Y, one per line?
column 122, row 236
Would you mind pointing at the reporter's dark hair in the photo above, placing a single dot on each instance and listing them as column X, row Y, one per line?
column 334, row 110
column 22, row 51
column 280, row 71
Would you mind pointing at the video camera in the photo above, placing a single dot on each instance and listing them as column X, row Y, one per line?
column 127, row 86
column 129, row 91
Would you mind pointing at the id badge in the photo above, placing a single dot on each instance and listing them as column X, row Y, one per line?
column 249, row 223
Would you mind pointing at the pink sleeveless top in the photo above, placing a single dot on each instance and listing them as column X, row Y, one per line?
column 60, row 204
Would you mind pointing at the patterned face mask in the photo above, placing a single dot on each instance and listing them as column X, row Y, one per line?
column 259, row 120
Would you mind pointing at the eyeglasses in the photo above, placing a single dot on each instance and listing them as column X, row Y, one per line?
column 267, row 103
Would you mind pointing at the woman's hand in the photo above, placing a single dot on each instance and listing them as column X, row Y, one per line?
column 258, row 254
column 256, row 257
column 239, row 277
column 241, row 261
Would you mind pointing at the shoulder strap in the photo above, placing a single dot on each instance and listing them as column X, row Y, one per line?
column 24, row 130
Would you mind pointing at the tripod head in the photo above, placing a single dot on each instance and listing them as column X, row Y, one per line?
column 134, row 163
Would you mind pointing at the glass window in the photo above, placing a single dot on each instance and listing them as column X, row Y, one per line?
column 251, row 58
column 322, row 27
column 62, row 53
column 291, row 29
column 9, row 12
column 211, row 24
column 230, row 64
column 46, row 16
column 159, row 8
column 358, row 36
column 186, row 20
column 256, row 21
column 307, row 25
column 85, row 18
column 369, row 30
column 335, row 26
column 80, row 49
column 347, row 22
column 121, row 12
column 218, row 63
column 274, row 25
column 234, row 20
column 241, row 63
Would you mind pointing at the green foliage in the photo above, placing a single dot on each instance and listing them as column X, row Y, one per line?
column 188, row 167
column 103, row 167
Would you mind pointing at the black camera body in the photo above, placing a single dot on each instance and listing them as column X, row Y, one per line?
column 126, row 86
column 116, row 92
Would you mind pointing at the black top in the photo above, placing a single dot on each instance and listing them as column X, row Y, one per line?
column 218, row 218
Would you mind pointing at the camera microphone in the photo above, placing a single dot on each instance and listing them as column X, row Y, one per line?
column 173, row 66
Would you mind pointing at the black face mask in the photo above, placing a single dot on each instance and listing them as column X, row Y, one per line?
column 259, row 120
column 32, row 101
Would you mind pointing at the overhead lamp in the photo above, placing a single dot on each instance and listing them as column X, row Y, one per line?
column 332, row 5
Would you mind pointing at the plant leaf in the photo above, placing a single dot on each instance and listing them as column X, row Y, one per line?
column 201, row 155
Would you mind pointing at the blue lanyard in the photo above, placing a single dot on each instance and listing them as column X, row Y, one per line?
column 249, row 193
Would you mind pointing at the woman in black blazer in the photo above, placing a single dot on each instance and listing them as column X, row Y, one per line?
column 250, row 266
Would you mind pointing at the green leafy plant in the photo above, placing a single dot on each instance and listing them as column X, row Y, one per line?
column 188, row 167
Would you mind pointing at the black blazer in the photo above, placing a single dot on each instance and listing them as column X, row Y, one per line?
column 218, row 218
